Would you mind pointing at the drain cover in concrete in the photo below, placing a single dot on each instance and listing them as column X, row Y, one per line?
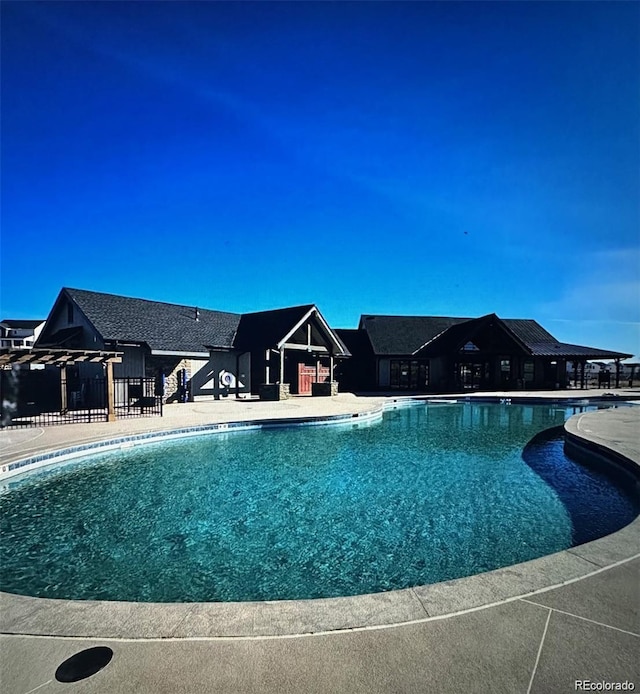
column 84, row 664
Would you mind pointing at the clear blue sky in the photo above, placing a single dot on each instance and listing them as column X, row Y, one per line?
column 419, row 158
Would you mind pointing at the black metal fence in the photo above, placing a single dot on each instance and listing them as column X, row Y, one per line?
column 137, row 397
column 38, row 398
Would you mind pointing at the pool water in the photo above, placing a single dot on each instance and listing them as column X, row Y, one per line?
column 431, row 493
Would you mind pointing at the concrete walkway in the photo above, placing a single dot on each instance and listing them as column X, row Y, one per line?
column 535, row 627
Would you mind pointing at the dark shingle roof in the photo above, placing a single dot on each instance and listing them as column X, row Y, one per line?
column 18, row 324
column 164, row 327
column 402, row 335
column 566, row 350
column 528, row 330
column 264, row 329
column 451, row 339
column 356, row 341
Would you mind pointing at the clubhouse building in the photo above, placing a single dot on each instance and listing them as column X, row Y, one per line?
column 195, row 353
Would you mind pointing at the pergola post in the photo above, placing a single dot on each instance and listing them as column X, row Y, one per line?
column 111, row 393
column 267, row 360
column 63, row 388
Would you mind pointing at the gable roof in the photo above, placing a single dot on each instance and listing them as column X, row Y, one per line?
column 178, row 329
column 452, row 338
column 405, row 335
column 164, row 327
column 266, row 329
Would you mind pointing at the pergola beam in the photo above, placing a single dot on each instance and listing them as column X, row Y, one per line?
column 57, row 357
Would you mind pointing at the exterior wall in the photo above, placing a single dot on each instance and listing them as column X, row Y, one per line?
column 258, row 364
column 328, row 388
column 133, row 362
column 204, row 376
column 169, row 367
column 218, row 376
column 439, row 374
column 59, row 320
column 442, row 376
column 275, row 391
column 384, row 374
column 358, row 373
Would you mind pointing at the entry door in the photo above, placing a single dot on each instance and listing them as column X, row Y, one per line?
column 473, row 375
column 307, row 376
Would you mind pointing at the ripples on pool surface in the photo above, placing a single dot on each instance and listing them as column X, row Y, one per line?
column 431, row 493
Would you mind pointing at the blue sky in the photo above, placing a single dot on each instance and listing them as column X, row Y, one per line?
column 403, row 158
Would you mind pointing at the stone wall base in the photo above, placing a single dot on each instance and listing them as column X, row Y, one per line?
column 274, row 391
column 328, row 388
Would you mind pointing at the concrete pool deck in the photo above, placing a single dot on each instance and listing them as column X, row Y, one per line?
column 533, row 627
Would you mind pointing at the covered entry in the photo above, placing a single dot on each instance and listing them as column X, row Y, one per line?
column 293, row 352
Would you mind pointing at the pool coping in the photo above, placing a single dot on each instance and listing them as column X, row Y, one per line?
column 27, row 615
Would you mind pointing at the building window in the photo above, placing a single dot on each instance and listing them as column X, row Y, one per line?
column 408, row 374
column 470, row 347
column 528, row 372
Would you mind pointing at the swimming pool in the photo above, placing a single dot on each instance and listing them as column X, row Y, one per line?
column 431, row 493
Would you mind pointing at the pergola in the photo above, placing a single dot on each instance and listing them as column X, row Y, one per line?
column 580, row 361
column 61, row 358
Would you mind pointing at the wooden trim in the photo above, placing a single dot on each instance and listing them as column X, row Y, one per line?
column 305, row 348
column 296, row 326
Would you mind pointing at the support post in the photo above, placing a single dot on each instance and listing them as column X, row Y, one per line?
column 237, row 376
column 63, row 389
column 267, row 359
column 617, row 373
column 111, row 393
column 282, row 365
